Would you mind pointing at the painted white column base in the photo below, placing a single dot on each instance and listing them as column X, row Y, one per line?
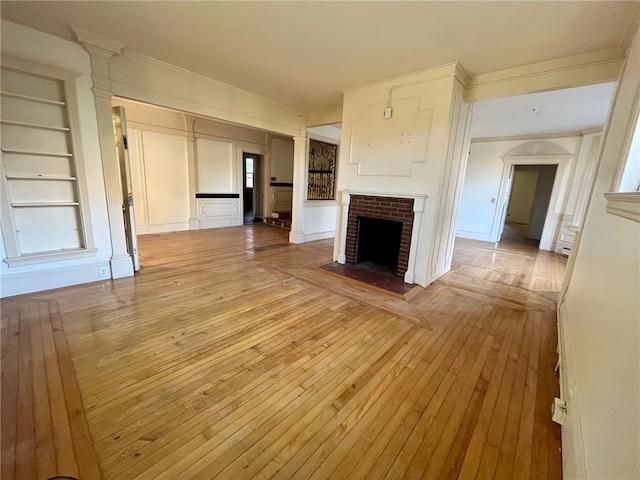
column 296, row 237
column 121, row 266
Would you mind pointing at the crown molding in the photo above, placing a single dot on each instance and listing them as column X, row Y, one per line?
column 96, row 41
column 539, row 136
column 44, row 26
column 597, row 66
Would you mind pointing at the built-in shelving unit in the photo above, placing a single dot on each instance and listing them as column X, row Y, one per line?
column 40, row 177
column 34, row 125
column 41, row 199
column 29, row 98
column 32, row 152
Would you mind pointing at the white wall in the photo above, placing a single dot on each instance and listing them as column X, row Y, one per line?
column 485, row 185
column 164, row 192
column 599, row 320
column 320, row 216
column 160, row 183
column 39, row 48
column 215, row 166
column 418, row 152
column 282, row 160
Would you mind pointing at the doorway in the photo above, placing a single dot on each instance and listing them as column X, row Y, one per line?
column 528, row 203
column 124, row 167
column 251, row 187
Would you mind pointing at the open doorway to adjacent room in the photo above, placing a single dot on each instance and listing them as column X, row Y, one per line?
column 526, row 210
column 251, row 187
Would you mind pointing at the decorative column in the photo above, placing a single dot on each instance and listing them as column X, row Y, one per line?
column 418, row 211
column 300, row 152
column 100, row 52
column 192, row 161
column 345, row 200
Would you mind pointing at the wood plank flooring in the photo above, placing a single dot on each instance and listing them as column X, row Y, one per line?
column 232, row 355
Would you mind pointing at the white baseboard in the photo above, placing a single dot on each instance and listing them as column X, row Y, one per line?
column 573, row 455
column 121, row 266
column 311, row 237
column 219, row 223
column 486, row 237
column 164, row 228
column 28, row 282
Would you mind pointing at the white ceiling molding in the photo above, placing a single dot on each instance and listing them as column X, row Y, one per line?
column 577, row 70
column 624, row 204
column 96, row 41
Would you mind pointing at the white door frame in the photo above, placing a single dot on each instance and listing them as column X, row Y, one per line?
column 551, row 222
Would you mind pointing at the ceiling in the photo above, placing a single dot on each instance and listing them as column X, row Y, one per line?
column 305, row 53
column 567, row 110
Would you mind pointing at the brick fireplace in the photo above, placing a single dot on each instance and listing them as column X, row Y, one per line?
column 391, row 209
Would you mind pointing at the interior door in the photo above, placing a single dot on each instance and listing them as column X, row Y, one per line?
column 120, row 132
column 505, row 202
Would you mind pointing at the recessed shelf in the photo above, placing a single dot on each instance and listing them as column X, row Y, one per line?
column 39, row 177
column 34, row 125
column 29, row 98
column 41, row 154
column 44, row 204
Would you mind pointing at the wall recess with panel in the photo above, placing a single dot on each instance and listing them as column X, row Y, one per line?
column 44, row 208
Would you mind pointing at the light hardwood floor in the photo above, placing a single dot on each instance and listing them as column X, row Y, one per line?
column 232, row 356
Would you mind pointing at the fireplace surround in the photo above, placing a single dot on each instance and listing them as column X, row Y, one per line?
column 381, row 208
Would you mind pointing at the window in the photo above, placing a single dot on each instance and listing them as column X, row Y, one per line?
column 248, row 172
column 322, row 171
column 630, row 178
column 44, row 217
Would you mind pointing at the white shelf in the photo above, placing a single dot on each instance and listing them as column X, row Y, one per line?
column 29, row 98
column 41, row 154
column 44, row 204
column 40, row 177
column 35, row 125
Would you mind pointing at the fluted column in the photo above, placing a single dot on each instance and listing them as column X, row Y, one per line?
column 100, row 52
column 300, row 152
column 192, row 161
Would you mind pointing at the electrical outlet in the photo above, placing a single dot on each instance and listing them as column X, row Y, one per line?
column 104, row 272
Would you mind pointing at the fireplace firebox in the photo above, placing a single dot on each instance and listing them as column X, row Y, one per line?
column 379, row 242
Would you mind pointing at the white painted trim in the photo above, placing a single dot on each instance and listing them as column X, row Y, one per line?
column 572, row 436
column 121, row 266
column 597, row 66
column 111, row 46
column 421, row 76
column 538, row 136
column 163, row 228
column 386, row 194
column 322, row 138
column 46, row 279
column 59, row 256
column 624, row 204
column 485, row 237
column 218, row 223
column 547, row 239
column 312, row 237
